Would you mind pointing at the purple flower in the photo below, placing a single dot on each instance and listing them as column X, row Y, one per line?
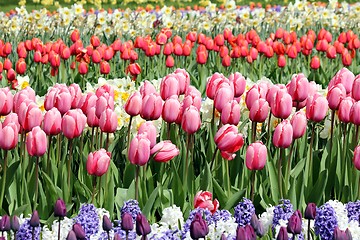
column 131, row 207
column 25, row 231
column 221, row 215
column 204, row 212
column 325, row 221
column 243, row 212
column 88, row 219
column 282, row 211
column 353, row 209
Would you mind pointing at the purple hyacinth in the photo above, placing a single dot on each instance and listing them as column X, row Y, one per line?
column 88, row 219
column 243, row 212
column 167, row 235
column 221, row 215
column 325, row 221
column 282, row 211
column 25, row 231
column 353, row 209
column 132, row 207
column 204, row 212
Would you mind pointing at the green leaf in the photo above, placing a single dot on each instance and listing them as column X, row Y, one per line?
column 274, row 184
column 235, row 198
column 221, row 196
column 315, row 194
column 150, row 201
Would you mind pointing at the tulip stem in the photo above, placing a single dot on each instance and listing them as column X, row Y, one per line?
column 280, row 172
column 48, row 157
column 187, row 158
column 168, row 130
column 228, row 177
column 288, row 168
column 137, row 182
column 311, row 154
column 69, row 162
column 37, row 182
column 332, row 131
column 92, row 138
column 3, row 179
column 128, row 133
column 101, row 140
column 108, row 235
column 213, row 158
column 252, row 193
column 308, row 233
column 356, row 135
column 268, row 132
column 59, row 228
column 253, row 129
column 107, row 141
column 33, row 233
column 94, row 190
column 58, row 149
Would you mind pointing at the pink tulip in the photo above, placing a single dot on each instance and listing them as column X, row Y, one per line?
column 76, row 96
column 335, row 95
column 19, row 97
column 282, row 105
column 108, row 121
column 6, row 101
column 151, row 107
column 345, row 77
column 171, row 109
column 190, row 100
column 203, row 199
column 231, row 113
column 299, row 123
column 256, row 155
column 228, row 139
column 298, row 87
column 213, row 84
column 98, row 162
column 190, row 121
column 139, row 150
column 356, row 158
column 164, row 151
column 283, row 134
column 252, row 95
column 316, row 108
column 29, row 115
column 259, row 110
column 91, row 119
column 12, row 118
column 36, row 142
column 133, row 104
column 184, row 79
column 9, row 136
column 58, row 96
column 105, row 89
column 344, row 109
column 239, row 83
column 89, row 100
column 149, row 128
column 52, row 122
column 147, row 88
column 223, row 95
column 73, row 123
column 356, row 88
column 169, row 86
column 271, row 93
column 105, row 101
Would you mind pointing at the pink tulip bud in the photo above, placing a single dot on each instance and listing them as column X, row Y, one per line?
column 183, row 78
column 239, row 83
column 228, row 139
column 36, row 142
column 164, row 151
column 356, row 88
column 191, row 121
column 355, row 113
column 76, row 96
column 299, row 123
column 283, row 134
column 151, row 107
column 171, row 109
column 259, row 110
column 231, row 113
column 149, row 128
column 91, row 118
column 147, row 88
column 73, row 123
column 133, row 104
column 52, row 122
column 139, row 150
column 223, row 95
column 345, row 77
column 104, row 102
column 356, row 158
column 256, row 155
column 282, row 105
column 316, row 108
column 9, row 136
column 344, row 109
column 108, row 121
column 89, row 101
column 98, row 162
column 298, row 87
column 169, row 86
column 6, row 101
column 335, row 96
column 29, row 115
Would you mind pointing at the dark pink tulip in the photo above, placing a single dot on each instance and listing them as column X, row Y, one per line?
column 256, row 155
column 227, row 155
column 12, row 118
column 52, row 122
column 9, row 136
column 282, row 105
column 344, row 109
column 345, row 77
column 252, row 95
column 213, row 84
column 171, row 109
column 239, row 83
column 147, row 88
column 283, row 134
column 76, row 96
column 335, row 95
column 149, row 128
column 164, row 151
column 73, row 123
column 151, row 107
column 259, row 110
column 133, row 104
column 91, row 118
column 98, row 162
column 184, row 79
column 6, row 101
column 36, row 142
column 191, row 120
column 169, row 86
column 231, row 113
column 105, row 101
column 29, row 115
column 298, row 87
column 89, row 101
column 299, row 123
column 356, row 158
column 316, row 108
column 356, row 88
column 223, row 95
column 108, row 121
column 228, row 139
column 139, row 150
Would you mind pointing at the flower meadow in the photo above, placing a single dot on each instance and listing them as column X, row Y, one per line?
column 222, row 123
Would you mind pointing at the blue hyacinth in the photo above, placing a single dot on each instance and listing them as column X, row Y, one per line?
column 243, row 212
column 25, row 231
column 282, row 211
column 353, row 209
column 325, row 221
column 131, row 207
column 167, row 235
column 204, row 212
column 221, row 215
column 88, row 219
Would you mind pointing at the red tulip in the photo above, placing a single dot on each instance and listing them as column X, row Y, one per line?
column 299, row 123
column 168, row 48
column 281, row 61
column 134, row 69
column 108, row 121
column 331, row 52
column 346, row 59
column 256, row 155
column 203, row 199
column 98, row 162
column 316, row 108
column 169, row 61
column 52, row 122
column 283, row 134
column 201, row 57
column 226, row 61
column 104, row 67
column 75, row 35
column 20, row 66
column 139, row 150
column 73, row 123
column 36, row 142
column 228, row 139
column 191, row 121
column 94, row 41
column 83, row 68
column 10, row 75
column 164, row 151
column 315, row 62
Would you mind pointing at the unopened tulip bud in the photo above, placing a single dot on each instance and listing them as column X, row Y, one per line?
column 79, row 231
column 34, row 220
column 60, row 208
column 257, row 225
column 294, row 223
column 117, row 237
column 283, row 235
column 142, row 225
column 71, row 235
column 5, row 223
column 198, row 227
column 107, row 225
column 127, row 222
column 310, row 211
column 14, row 222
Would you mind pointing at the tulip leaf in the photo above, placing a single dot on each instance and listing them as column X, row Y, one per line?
column 20, row 210
column 221, row 196
column 274, row 185
column 234, row 199
column 315, row 194
column 150, row 202
column 298, row 168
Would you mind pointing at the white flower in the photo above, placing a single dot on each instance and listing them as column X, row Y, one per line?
column 172, row 217
column 341, row 214
column 266, row 218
